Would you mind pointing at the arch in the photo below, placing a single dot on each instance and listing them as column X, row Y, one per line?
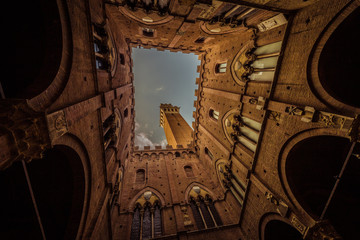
column 274, row 227
column 217, row 29
column 44, row 54
column 324, row 71
column 60, row 186
column 132, row 203
column 284, row 152
column 217, row 163
column 321, row 156
column 77, row 145
column 191, row 185
column 146, row 19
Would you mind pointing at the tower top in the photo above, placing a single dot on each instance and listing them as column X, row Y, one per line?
column 167, row 108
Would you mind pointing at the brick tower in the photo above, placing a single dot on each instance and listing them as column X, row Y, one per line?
column 177, row 131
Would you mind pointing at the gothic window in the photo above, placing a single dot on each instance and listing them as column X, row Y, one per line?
column 257, row 63
column 189, row 172
column 147, row 217
column 148, row 32
column 136, row 224
column 112, row 129
column 207, row 152
column 140, row 176
column 242, row 129
column 221, row 67
column 203, row 209
column 231, row 181
column 214, row 114
column 105, row 52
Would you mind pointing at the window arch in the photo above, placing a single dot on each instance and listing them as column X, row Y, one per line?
column 188, row 171
column 241, row 129
column 203, row 209
column 214, row 114
column 140, row 176
column 147, row 217
column 220, row 67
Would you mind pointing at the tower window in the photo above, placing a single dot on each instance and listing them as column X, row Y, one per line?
column 126, row 112
column 148, row 32
column 189, row 172
column 220, row 67
column 200, row 40
column 140, row 176
column 122, row 59
column 214, row 114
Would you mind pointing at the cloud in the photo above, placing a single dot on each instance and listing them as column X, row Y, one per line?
column 137, row 126
column 159, row 89
column 141, row 140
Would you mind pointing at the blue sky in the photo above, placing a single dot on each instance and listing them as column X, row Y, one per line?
column 161, row 77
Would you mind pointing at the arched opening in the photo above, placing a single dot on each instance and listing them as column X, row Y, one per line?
column 220, row 67
column 313, row 167
column 36, row 40
column 214, row 114
column 58, row 185
column 339, row 60
column 188, row 171
column 140, row 176
column 279, row 230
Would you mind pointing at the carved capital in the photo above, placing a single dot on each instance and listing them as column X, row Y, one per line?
column 25, row 130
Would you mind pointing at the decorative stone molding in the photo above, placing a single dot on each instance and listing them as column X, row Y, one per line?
column 26, row 128
column 186, row 217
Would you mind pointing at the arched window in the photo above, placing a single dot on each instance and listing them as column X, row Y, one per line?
column 148, row 32
column 122, row 59
column 200, row 40
column 204, row 211
column 177, row 154
column 207, row 152
column 214, row 114
column 147, row 217
column 242, row 129
column 126, row 112
column 140, row 176
column 189, row 172
column 220, row 67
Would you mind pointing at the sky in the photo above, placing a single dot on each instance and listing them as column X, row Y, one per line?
column 161, row 77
